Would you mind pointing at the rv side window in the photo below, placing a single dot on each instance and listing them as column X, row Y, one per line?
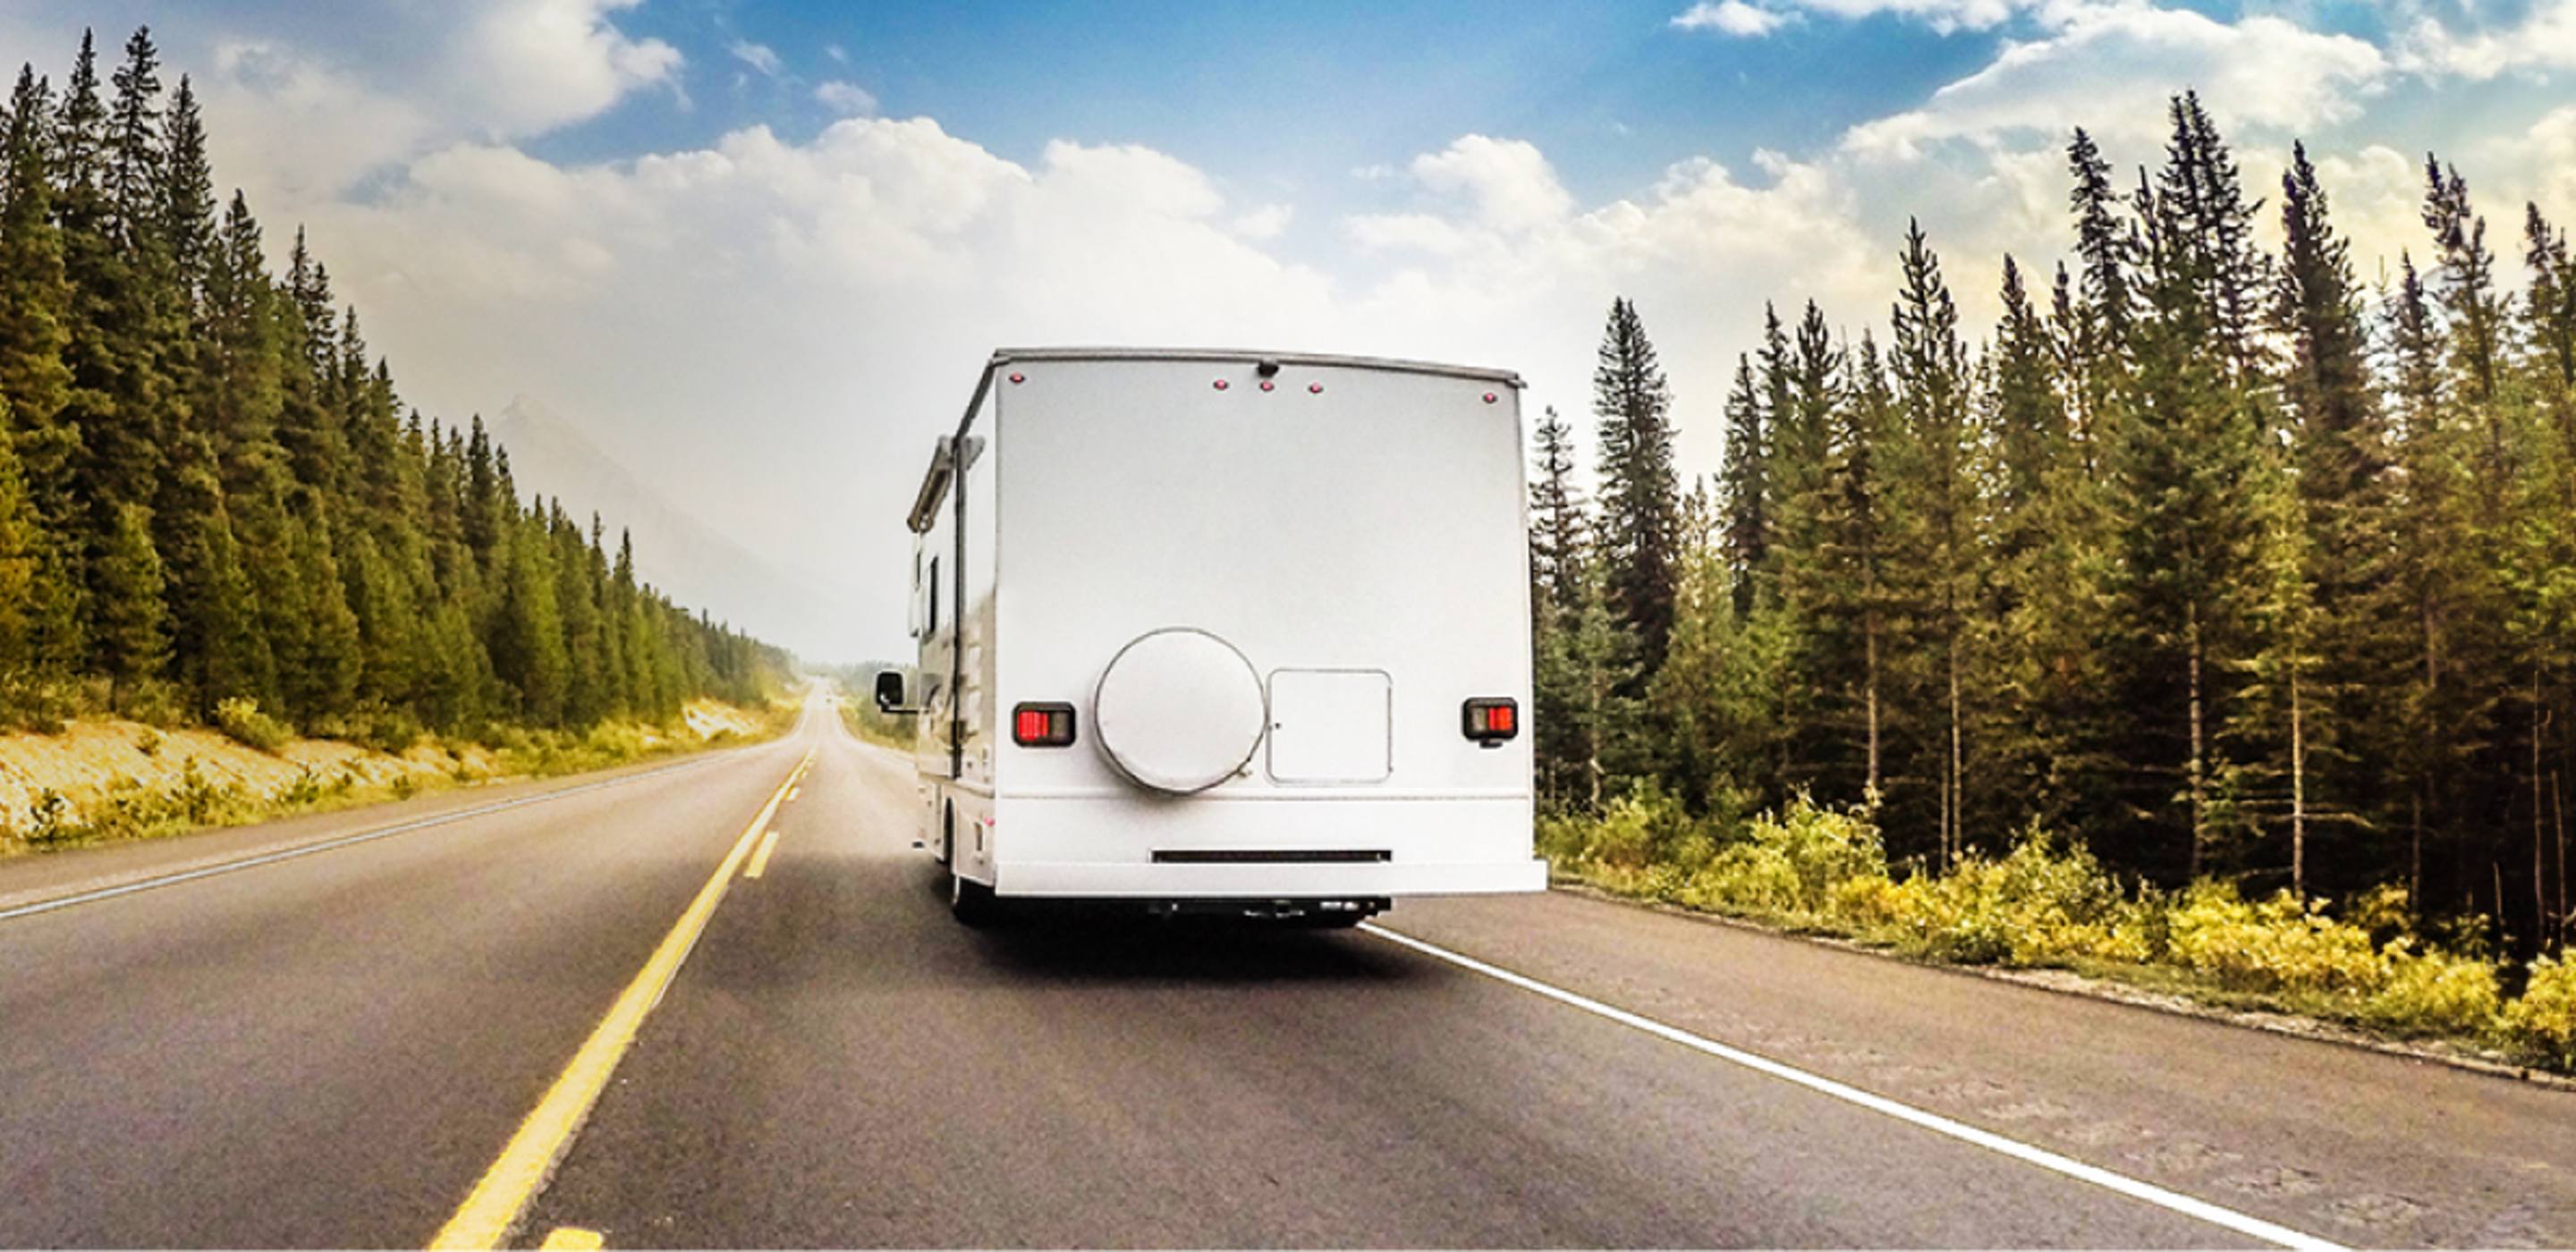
column 933, row 627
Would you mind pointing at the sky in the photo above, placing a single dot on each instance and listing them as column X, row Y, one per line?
column 758, row 249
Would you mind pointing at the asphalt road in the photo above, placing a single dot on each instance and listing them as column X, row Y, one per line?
column 333, row 1048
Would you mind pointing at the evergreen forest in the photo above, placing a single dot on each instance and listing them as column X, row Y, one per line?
column 2228, row 562
column 212, row 493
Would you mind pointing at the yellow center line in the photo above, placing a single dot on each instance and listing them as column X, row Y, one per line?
column 573, row 1239
column 501, row 1197
column 760, row 855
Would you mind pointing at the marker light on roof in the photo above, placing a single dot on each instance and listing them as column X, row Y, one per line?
column 1490, row 397
column 1019, row 378
column 1314, row 389
column 1267, row 385
column 1220, row 384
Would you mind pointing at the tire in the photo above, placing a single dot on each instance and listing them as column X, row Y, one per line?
column 971, row 902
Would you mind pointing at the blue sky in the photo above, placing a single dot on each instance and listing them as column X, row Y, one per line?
column 1290, row 93
column 757, row 247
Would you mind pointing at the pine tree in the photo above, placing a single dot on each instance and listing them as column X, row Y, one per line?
column 2333, row 596
column 1559, row 532
column 133, row 638
column 2203, row 193
column 335, row 662
column 1640, row 491
column 35, row 307
column 186, row 196
column 1717, row 693
column 1853, row 608
column 1746, row 488
column 214, row 629
column 2553, row 305
column 2468, row 294
column 2189, row 448
column 1934, row 478
column 240, row 388
column 22, row 542
column 528, row 637
column 2024, row 442
column 1799, row 443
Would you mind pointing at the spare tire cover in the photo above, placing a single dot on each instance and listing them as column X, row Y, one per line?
column 1180, row 710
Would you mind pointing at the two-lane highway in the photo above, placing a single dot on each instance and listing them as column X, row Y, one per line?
column 338, row 1048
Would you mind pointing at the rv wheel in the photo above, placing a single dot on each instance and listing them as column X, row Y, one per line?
column 969, row 901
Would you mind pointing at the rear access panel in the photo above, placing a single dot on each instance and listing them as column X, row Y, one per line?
column 1331, row 725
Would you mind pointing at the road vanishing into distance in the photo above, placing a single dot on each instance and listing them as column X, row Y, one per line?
column 383, row 1027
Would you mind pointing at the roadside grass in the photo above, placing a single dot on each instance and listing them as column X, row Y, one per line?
column 2047, row 903
column 63, row 807
column 885, row 730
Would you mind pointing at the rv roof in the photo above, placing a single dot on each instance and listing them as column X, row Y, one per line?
column 934, row 485
column 1007, row 355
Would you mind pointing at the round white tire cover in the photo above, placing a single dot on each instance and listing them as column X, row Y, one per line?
column 1179, row 710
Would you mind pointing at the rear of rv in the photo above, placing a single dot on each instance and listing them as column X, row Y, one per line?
column 1257, row 630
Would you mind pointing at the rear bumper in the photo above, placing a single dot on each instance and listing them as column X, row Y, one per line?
column 1265, row 881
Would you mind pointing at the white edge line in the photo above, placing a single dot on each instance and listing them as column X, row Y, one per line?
column 308, row 849
column 2215, row 1215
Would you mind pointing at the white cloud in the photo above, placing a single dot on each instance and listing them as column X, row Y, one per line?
column 1742, row 17
column 1732, row 17
column 846, row 98
column 292, row 123
column 2544, row 39
column 774, row 326
column 2113, row 70
column 1265, row 222
column 526, row 66
column 758, row 56
column 1506, row 183
column 2553, row 152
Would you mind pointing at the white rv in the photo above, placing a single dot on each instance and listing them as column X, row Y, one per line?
column 1224, row 630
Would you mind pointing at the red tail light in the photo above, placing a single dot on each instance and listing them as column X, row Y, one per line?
column 1042, row 725
column 1491, row 721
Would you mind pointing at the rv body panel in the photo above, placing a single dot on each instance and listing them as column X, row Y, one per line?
column 1354, row 532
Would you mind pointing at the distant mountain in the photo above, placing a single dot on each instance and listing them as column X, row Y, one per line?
column 691, row 562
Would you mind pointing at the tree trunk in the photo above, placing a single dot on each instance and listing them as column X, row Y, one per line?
column 1958, row 835
column 2198, row 764
column 2415, row 858
column 2298, row 789
column 2558, row 802
column 2498, row 868
column 1869, row 651
column 2539, row 848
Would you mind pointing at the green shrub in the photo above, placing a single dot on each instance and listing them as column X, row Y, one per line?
column 2038, row 905
column 1790, row 865
column 153, row 702
column 304, row 792
column 390, row 731
column 239, row 718
column 30, row 701
column 2542, row 1023
column 50, row 818
column 2434, row 991
column 2279, row 944
column 2385, row 911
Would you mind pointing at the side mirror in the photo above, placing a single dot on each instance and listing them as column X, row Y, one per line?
column 890, row 690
